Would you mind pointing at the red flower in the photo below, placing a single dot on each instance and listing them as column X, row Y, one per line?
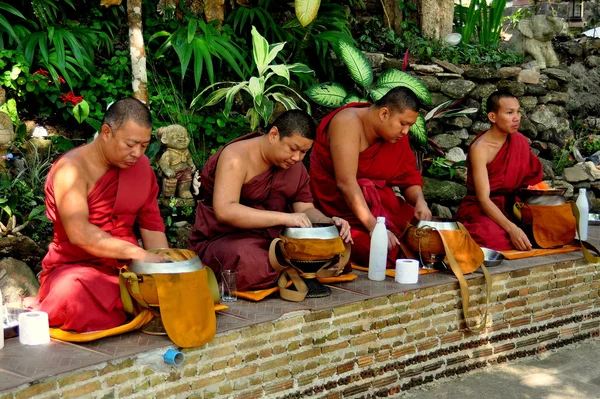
column 45, row 73
column 71, row 97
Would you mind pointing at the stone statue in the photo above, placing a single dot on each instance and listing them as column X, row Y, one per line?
column 7, row 133
column 176, row 162
column 536, row 38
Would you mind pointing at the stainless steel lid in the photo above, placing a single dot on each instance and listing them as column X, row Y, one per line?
column 438, row 224
column 178, row 261
column 322, row 232
column 543, row 197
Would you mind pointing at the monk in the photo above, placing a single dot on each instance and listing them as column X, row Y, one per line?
column 251, row 188
column 361, row 152
column 499, row 162
column 95, row 195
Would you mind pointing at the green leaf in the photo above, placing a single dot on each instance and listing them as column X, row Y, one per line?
column 378, row 92
column 260, row 51
column 280, row 70
column 306, row 10
column 352, row 98
column 37, row 213
column 358, row 65
column 256, row 88
column 418, row 132
column 287, row 101
column 81, row 111
column 300, row 68
column 393, row 78
column 329, row 94
column 152, row 149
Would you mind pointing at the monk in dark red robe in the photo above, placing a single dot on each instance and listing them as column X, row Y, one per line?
column 500, row 162
column 252, row 188
column 95, row 194
column 361, row 152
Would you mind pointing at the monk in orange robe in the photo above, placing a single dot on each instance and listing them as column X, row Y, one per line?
column 95, row 194
column 361, row 152
column 499, row 162
column 251, row 188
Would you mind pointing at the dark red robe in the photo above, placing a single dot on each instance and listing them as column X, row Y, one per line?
column 380, row 167
column 79, row 291
column 513, row 167
column 224, row 247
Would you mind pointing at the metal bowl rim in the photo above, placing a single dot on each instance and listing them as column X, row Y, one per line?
column 318, row 233
column 184, row 266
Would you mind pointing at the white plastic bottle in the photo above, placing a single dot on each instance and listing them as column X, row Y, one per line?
column 1, row 321
column 584, row 209
column 378, row 252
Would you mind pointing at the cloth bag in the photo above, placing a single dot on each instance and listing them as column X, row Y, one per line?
column 292, row 251
column 547, row 226
column 459, row 251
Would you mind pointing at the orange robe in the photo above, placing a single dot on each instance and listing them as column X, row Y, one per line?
column 513, row 167
column 223, row 247
column 380, row 167
column 79, row 291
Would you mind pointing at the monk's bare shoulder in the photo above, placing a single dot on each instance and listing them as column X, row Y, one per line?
column 347, row 123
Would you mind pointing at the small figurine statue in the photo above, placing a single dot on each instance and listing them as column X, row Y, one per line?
column 536, row 38
column 176, row 162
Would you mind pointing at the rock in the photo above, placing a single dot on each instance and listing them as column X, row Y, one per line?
column 558, row 74
column 22, row 248
column 548, row 168
column 437, row 99
column 536, row 90
column 544, row 119
column 457, row 88
column 460, row 174
column 182, row 236
column 431, row 82
column 459, row 121
column 528, row 102
column 562, row 184
column 470, row 139
column 508, row 72
column 530, row 65
column 583, row 171
column 392, row 63
column 479, row 127
column 2, row 96
column 448, row 75
column 515, row 88
column 528, row 128
column 7, row 132
column 446, row 141
column 441, row 211
column 17, row 280
column 529, row 76
column 456, row 154
column 426, row 69
column 375, row 59
column 555, row 97
column 462, row 134
column 448, row 66
column 483, row 90
column 553, row 84
column 571, row 47
column 442, row 191
column 482, row 73
column 592, row 61
column 557, row 110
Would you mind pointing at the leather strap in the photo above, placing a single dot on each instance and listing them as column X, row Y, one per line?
column 464, row 287
column 584, row 244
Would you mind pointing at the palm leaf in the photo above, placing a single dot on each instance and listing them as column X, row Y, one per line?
column 392, row 78
column 329, row 94
column 357, row 64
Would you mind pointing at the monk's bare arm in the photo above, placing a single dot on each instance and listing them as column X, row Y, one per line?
column 414, row 196
column 344, row 134
column 478, row 164
column 153, row 239
column 229, row 179
column 316, row 216
column 70, row 192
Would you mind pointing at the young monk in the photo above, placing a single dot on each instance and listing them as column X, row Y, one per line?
column 251, row 188
column 94, row 195
column 499, row 162
column 361, row 152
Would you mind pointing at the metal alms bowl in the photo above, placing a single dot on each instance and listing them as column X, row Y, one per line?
column 318, row 231
column 492, row 258
column 439, row 224
column 543, row 197
column 178, row 261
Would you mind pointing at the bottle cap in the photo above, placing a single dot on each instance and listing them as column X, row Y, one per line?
column 380, row 219
column 582, row 191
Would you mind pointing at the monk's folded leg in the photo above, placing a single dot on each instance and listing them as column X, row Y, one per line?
column 81, row 299
column 248, row 254
column 362, row 247
column 488, row 233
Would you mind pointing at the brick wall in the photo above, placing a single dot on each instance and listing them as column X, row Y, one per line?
column 374, row 348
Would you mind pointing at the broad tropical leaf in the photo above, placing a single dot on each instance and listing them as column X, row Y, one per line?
column 260, row 50
column 287, row 101
column 378, row 92
column 280, row 70
column 393, row 78
column 329, row 94
column 358, row 65
column 306, row 10
column 418, row 132
column 352, row 98
column 81, row 111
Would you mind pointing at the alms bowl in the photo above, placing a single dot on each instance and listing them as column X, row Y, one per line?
column 439, row 224
column 492, row 258
column 318, row 231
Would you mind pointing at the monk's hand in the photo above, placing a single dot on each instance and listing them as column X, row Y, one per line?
column 153, row 258
column 519, row 239
column 392, row 240
column 344, row 228
column 422, row 211
column 298, row 220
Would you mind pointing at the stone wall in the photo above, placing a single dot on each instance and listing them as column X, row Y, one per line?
column 374, row 348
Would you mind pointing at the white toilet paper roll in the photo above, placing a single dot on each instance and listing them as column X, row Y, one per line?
column 407, row 271
column 33, row 328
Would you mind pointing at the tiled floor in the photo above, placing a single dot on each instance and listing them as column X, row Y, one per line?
column 21, row 364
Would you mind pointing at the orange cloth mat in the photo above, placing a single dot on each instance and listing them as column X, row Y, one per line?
column 391, row 272
column 259, row 295
column 514, row 254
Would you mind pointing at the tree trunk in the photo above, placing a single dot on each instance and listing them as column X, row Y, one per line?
column 436, row 18
column 214, row 9
column 138, row 53
column 392, row 16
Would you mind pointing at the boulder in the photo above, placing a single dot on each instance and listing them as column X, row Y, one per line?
column 456, row 154
column 441, row 211
column 17, row 280
column 515, row 88
column 548, row 168
column 442, row 191
column 528, row 128
column 459, row 121
column 528, row 102
column 536, row 90
column 558, row 74
column 446, row 141
column 462, row 134
column 530, row 76
column 479, row 127
column 426, row 69
column 448, row 66
column 583, row 171
column 592, row 61
column 22, row 248
column 482, row 73
column 457, row 88
column 483, row 91
column 508, row 72
column 431, row 82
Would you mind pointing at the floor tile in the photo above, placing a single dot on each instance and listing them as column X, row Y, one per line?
column 127, row 344
column 10, row 380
